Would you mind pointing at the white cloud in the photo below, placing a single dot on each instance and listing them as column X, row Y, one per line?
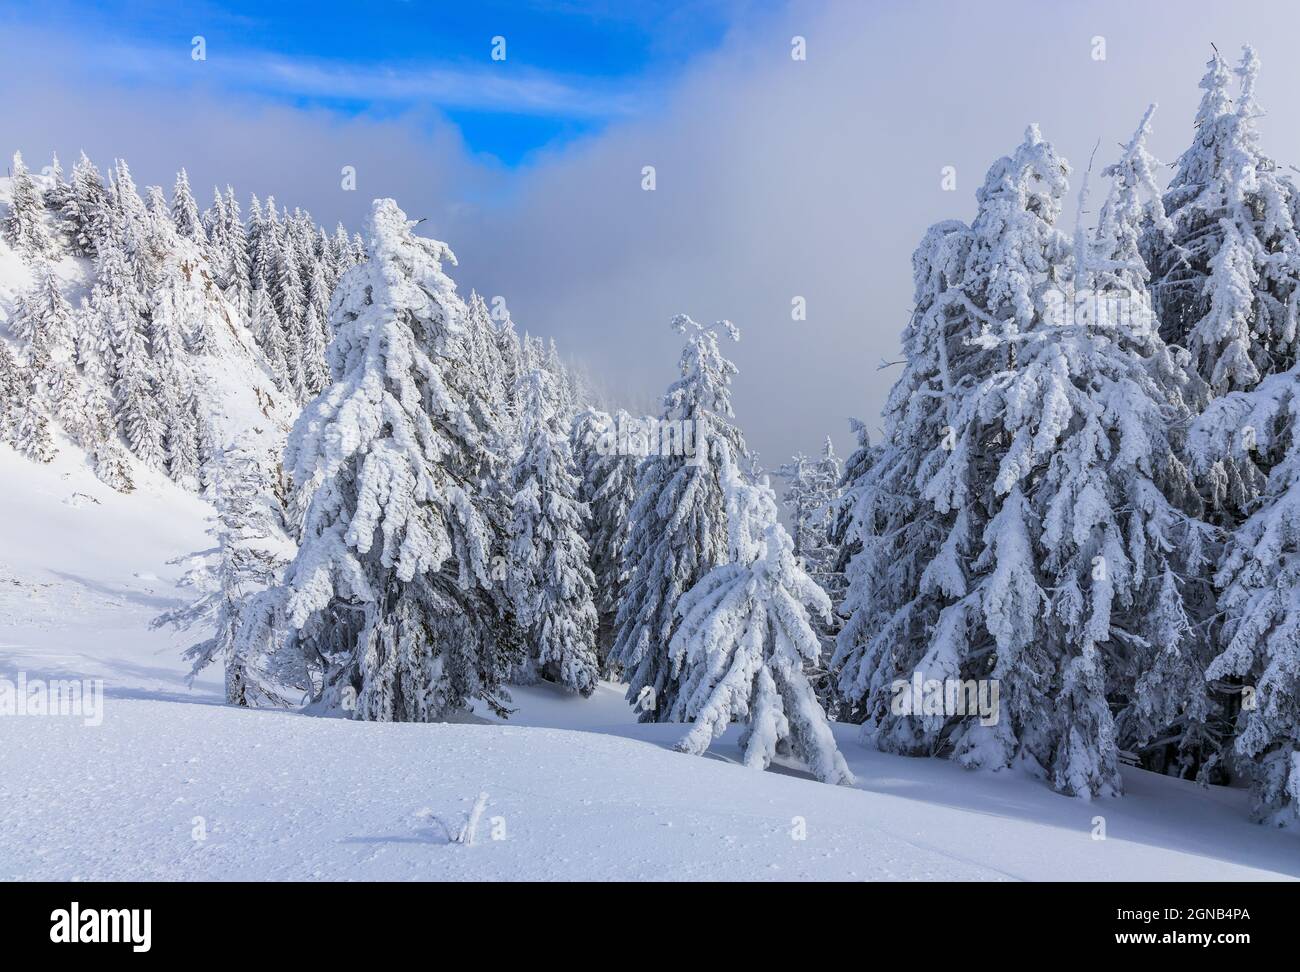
column 775, row 178
column 493, row 86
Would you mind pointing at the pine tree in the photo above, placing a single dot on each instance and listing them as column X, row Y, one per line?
column 1160, row 700
column 561, row 383
column 390, row 593
column 269, row 334
column 853, row 482
column 11, row 395
column 130, row 218
column 31, row 433
column 35, row 320
column 1023, row 524
column 44, row 321
column 318, row 291
column 85, row 210
column 315, row 372
column 510, row 353
column 1227, row 272
column 24, row 225
column 1259, row 658
column 214, row 227
column 485, row 357
column 238, row 280
column 821, row 552
column 302, row 239
column 549, row 579
column 341, row 251
column 115, row 297
column 608, row 489
column 258, row 267
column 813, row 486
column 136, row 409
column 181, row 326
column 316, row 334
column 185, row 211
column 291, row 305
column 679, row 523
column 325, row 258
column 57, row 196
column 23, row 422
column 248, row 561
column 744, row 641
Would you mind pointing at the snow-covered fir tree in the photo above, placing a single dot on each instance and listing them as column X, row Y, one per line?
column 137, row 410
column 171, row 315
column 1259, row 579
column 1156, row 687
column 608, row 489
column 185, row 211
column 390, row 596
column 341, row 250
column 561, row 383
column 130, row 225
column 261, row 267
column 214, row 222
column 1227, row 272
column 510, row 352
column 549, row 578
column 744, row 640
column 117, row 297
column 11, row 395
column 812, row 488
column 24, row 423
column 1023, row 521
column 485, row 357
column 24, row 224
column 57, row 196
column 84, row 210
column 235, row 258
column 315, row 371
column 291, row 305
column 247, row 560
column 269, row 334
column 45, row 323
column 679, row 522
column 852, row 480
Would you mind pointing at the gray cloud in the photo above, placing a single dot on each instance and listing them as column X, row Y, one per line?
column 779, row 179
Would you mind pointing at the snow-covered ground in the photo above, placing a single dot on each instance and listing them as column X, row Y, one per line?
column 174, row 785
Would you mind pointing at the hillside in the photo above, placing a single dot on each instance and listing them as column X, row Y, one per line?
column 582, row 791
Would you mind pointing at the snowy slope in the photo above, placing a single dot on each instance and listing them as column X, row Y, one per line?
column 83, row 569
column 580, row 790
column 236, row 394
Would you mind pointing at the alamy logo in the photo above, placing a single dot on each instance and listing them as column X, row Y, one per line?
column 641, row 437
column 950, row 696
column 109, row 925
column 82, row 698
column 1130, row 310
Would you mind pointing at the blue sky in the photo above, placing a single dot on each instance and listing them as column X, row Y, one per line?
column 571, row 66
